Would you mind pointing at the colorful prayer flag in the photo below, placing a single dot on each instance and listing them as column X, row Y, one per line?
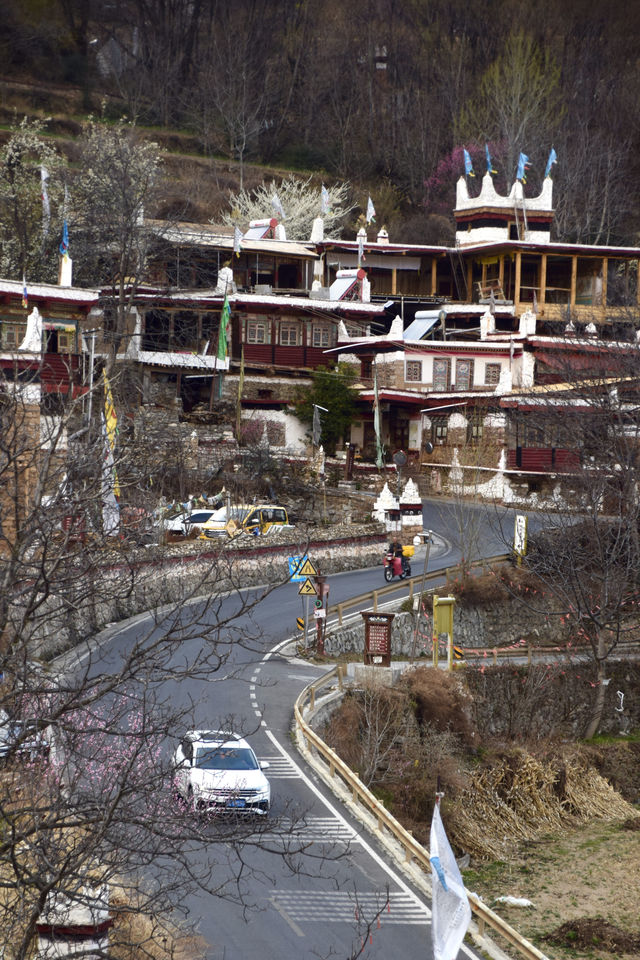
column 324, row 201
column 553, row 158
column 46, row 207
column 376, row 422
column 277, row 207
column 490, row 168
column 25, row 294
column 523, row 163
column 64, row 243
column 237, row 241
column 317, row 426
column 225, row 317
column 468, row 165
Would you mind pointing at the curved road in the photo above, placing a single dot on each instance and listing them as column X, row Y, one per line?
column 315, row 884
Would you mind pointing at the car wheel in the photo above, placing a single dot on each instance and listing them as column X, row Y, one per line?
column 388, row 574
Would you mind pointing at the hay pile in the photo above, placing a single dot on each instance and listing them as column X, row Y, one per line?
column 523, row 798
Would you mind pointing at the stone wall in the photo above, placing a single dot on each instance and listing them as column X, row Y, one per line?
column 508, row 624
column 513, row 700
column 146, row 580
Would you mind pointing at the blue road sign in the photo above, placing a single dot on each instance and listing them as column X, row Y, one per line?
column 295, row 566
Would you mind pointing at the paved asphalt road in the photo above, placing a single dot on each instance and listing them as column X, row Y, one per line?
column 325, row 889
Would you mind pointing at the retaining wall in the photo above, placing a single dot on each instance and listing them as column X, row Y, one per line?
column 138, row 581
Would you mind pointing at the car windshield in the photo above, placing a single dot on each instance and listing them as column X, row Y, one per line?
column 225, row 758
column 199, row 517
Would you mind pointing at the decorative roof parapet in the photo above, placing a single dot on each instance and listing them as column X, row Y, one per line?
column 489, row 197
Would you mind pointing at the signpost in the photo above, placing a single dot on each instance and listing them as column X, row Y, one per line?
column 301, row 569
column 443, row 626
column 377, row 638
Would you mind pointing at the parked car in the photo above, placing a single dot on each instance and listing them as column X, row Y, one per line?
column 22, row 739
column 184, row 524
column 262, row 518
column 218, row 771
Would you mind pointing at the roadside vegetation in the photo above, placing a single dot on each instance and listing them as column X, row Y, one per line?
column 547, row 819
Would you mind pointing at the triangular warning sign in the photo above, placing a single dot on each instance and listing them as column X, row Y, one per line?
column 307, row 589
column 307, row 570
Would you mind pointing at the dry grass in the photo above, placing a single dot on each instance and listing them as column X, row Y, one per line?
column 584, row 885
column 520, row 798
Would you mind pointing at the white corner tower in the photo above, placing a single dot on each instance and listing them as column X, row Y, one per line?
column 492, row 218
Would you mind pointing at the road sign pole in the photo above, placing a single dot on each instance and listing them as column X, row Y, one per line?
column 306, row 620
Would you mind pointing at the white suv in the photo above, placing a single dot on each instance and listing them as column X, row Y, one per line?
column 218, row 771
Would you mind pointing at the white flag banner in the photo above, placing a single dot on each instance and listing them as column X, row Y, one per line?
column 46, row 206
column 324, row 200
column 277, row 207
column 237, row 241
column 451, row 911
column 371, row 211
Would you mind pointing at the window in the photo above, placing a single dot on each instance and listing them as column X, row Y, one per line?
column 156, row 330
column 185, row 330
column 366, row 368
column 65, row 342
column 321, row 335
column 534, row 436
column 289, row 334
column 257, row 331
column 11, row 336
column 492, row 374
column 464, row 374
column 441, row 373
column 439, row 430
column 474, row 430
column 413, row 370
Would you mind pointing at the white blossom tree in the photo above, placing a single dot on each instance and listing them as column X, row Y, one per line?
column 30, row 204
column 301, row 201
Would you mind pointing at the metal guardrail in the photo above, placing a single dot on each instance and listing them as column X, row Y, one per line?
column 413, row 850
column 374, row 595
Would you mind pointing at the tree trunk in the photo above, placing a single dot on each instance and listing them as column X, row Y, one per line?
column 598, row 703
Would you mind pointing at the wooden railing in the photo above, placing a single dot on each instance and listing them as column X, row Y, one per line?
column 333, row 767
column 373, row 596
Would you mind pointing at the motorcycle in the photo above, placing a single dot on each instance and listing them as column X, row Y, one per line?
column 396, row 567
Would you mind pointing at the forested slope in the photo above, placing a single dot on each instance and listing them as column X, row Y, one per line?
column 382, row 93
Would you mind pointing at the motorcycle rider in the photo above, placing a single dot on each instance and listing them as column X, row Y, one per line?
column 399, row 560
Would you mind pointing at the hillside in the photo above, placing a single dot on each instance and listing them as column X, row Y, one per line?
column 382, row 95
column 196, row 187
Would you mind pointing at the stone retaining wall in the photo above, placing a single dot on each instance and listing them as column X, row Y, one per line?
column 506, row 624
column 143, row 581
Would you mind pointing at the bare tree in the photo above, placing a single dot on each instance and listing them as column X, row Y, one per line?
column 519, row 100
column 86, row 789
column 589, row 555
column 118, row 182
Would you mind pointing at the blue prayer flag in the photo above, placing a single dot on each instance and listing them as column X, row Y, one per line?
column 64, row 243
column 523, row 163
column 490, row 168
column 468, row 166
column 553, row 158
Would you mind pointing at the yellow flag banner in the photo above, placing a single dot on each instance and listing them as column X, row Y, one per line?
column 110, row 416
column 111, row 431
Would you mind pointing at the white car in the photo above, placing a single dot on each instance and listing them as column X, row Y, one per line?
column 184, row 523
column 218, row 771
